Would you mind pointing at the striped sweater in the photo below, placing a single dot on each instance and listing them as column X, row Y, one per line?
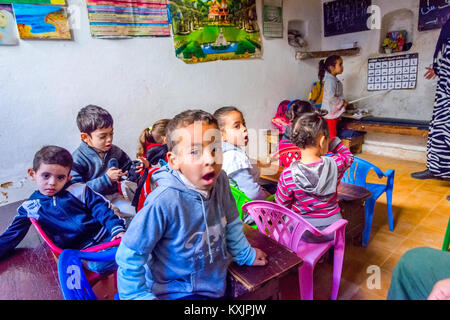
column 311, row 190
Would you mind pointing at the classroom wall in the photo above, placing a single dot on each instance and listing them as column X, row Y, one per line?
column 416, row 104
column 44, row 84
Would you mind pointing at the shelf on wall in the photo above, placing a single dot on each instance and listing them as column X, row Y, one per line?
column 300, row 55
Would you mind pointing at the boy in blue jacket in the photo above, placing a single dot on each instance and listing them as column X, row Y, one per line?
column 180, row 244
column 99, row 163
column 71, row 214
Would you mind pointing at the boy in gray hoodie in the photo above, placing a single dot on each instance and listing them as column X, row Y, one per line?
column 179, row 245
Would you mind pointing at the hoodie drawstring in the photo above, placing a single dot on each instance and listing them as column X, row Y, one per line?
column 211, row 260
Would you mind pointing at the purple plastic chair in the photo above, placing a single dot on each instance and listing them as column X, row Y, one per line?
column 287, row 228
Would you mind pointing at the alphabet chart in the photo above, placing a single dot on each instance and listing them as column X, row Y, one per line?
column 397, row 72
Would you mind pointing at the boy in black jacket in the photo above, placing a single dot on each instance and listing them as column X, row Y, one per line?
column 71, row 214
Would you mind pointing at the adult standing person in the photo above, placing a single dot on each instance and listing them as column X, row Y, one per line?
column 438, row 145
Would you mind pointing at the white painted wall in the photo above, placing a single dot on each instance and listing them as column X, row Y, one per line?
column 405, row 104
column 43, row 84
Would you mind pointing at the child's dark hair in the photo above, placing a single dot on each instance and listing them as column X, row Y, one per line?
column 307, row 128
column 185, row 119
column 325, row 64
column 220, row 114
column 52, row 155
column 153, row 134
column 298, row 107
column 92, row 117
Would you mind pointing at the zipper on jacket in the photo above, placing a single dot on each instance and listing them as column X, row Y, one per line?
column 54, row 201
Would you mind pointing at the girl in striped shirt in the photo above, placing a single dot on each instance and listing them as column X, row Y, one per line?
column 309, row 185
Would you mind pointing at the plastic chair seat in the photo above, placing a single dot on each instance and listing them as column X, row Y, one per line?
column 313, row 251
column 376, row 189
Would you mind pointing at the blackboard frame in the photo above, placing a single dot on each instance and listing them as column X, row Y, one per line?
column 346, row 8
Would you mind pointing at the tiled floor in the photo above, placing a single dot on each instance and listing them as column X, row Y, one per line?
column 421, row 214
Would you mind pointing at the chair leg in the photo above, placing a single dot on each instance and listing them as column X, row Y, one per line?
column 305, row 277
column 337, row 271
column 390, row 213
column 369, row 207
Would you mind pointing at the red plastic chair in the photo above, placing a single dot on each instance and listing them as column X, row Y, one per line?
column 287, row 155
column 287, row 228
column 93, row 277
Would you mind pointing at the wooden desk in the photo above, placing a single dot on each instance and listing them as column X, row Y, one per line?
column 31, row 272
column 351, row 201
column 262, row 283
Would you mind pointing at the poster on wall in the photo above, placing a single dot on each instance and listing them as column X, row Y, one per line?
column 273, row 18
column 215, row 30
column 124, row 19
column 8, row 27
column 42, row 22
column 393, row 73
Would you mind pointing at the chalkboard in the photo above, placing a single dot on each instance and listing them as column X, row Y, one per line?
column 345, row 16
column 433, row 14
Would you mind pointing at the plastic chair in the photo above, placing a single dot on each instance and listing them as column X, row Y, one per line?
column 72, row 277
column 287, row 228
column 357, row 174
column 446, row 244
column 241, row 198
column 287, row 155
column 93, row 277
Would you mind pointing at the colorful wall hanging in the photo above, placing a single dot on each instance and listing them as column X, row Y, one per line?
column 52, row 2
column 215, row 30
column 128, row 18
column 8, row 28
column 42, row 22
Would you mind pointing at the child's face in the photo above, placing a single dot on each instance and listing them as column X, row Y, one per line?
column 197, row 154
column 338, row 68
column 234, row 130
column 100, row 138
column 50, row 178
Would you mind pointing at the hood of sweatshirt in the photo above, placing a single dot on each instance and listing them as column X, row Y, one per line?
column 318, row 179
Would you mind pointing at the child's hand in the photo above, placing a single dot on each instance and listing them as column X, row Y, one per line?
column 441, row 290
column 261, row 258
column 115, row 174
column 145, row 164
column 345, row 104
column 118, row 236
column 430, row 73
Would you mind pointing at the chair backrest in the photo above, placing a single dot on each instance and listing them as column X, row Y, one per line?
column 288, row 155
column 57, row 250
column 280, row 119
column 241, row 198
column 279, row 223
column 357, row 173
column 72, row 278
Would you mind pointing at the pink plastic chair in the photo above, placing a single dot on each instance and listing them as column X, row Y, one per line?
column 93, row 277
column 287, row 228
column 287, row 155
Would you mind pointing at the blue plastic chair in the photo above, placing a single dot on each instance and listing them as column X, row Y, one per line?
column 72, row 278
column 357, row 174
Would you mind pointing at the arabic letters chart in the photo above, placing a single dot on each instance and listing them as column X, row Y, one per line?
column 393, row 73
